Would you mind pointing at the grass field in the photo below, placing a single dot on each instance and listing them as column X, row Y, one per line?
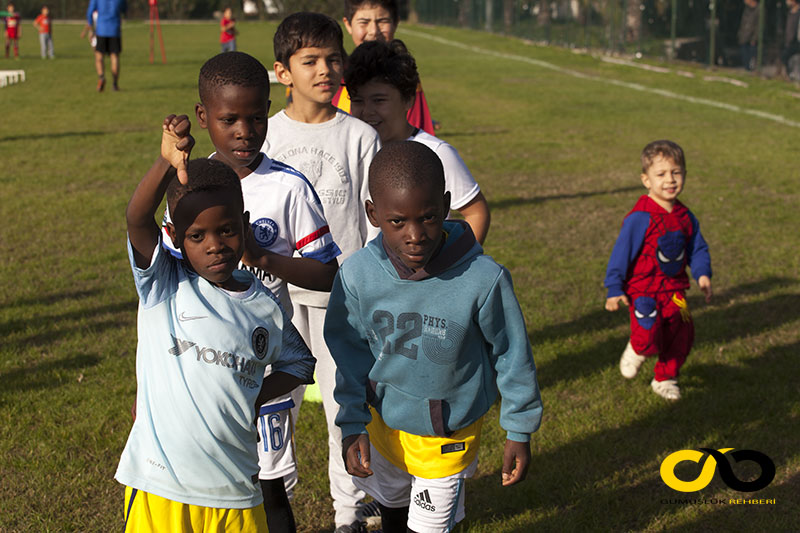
column 553, row 138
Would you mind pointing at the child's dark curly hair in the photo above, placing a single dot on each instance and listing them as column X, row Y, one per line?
column 405, row 165
column 386, row 62
column 306, row 30
column 232, row 68
column 205, row 175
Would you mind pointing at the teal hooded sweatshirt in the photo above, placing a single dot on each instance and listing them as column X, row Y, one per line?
column 430, row 349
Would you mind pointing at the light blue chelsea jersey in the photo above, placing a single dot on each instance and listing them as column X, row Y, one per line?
column 199, row 367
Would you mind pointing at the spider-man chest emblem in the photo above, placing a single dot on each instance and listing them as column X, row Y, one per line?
column 671, row 253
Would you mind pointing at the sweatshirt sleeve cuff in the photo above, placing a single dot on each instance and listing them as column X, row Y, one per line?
column 518, row 437
column 700, row 274
column 615, row 290
column 353, row 429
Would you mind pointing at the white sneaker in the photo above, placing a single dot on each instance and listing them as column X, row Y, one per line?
column 667, row 389
column 630, row 362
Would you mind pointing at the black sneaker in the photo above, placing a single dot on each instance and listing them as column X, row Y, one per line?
column 355, row 527
column 370, row 509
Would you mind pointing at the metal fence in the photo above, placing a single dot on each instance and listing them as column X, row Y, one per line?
column 679, row 29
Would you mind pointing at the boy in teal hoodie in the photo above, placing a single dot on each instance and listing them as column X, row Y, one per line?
column 425, row 331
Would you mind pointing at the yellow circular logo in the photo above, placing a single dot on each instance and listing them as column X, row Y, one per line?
column 714, row 459
column 695, row 456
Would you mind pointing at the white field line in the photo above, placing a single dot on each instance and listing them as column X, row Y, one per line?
column 664, row 70
column 625, row 62
column 737, row 83
column 610, row 81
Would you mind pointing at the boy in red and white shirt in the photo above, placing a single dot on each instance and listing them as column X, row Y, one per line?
column 227, row 26
column 13, row 30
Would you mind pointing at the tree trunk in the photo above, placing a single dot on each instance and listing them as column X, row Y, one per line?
column 633, row 21
column 413, row 16
column 508, row 14
column 544, row 13
column 464, row 12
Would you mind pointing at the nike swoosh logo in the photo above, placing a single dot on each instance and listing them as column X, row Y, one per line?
column 184, row 318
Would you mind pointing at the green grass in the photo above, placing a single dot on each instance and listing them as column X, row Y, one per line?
column 557, row 157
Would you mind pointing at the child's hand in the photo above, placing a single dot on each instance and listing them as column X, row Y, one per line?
column 705, row 285
column 612, row 304
column 516, row 458
column 252, row 250
column 355, row 452
column 177, row 143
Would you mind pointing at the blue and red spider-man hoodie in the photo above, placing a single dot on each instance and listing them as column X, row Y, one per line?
column 653, row 248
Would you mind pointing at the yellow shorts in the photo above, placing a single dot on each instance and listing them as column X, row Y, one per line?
column 148, row 513
column 428, row 457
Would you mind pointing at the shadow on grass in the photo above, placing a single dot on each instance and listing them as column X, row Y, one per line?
column 609, row 479
column 715, row 325
column 602, row 319
column 46, row 328
column 42, row 375
column 52, row 136
column 162, row 86
column 484, row 133
column 51, row 299
column 513, row 202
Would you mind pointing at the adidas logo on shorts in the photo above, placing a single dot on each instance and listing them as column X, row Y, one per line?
column 423, row 500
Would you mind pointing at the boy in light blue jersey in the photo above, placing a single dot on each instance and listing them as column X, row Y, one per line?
column 290, row 241
column 206, row 331
column 425, row 331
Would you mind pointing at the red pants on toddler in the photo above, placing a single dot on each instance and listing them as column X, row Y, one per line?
column 662, row 325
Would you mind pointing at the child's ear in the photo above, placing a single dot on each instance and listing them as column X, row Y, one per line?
column 446, row 201
column 369, row 207
column 283, row 73
column 173, row 235
column 347, row 25
column 200, row 113
column 645, row 181
column 246, row 220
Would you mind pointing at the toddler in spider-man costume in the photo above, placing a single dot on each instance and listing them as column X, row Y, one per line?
column 647, row 270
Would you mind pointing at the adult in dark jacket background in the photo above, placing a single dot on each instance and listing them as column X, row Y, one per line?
column 791, row 44
column 748, row 33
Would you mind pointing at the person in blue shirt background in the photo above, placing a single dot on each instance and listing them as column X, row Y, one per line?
column 109, row 37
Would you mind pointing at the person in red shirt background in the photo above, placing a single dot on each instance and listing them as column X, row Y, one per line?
column 13, row 31
column 44, row 24
column 227, row 37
